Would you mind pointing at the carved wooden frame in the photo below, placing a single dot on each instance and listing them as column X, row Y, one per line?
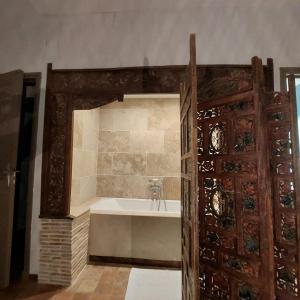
column 69, row 90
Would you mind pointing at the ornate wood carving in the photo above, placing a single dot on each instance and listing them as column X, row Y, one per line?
column 235, row 216
column 229, row 83
column 120, row 81
column 224, row 80
column 86, row 89
column 69, row 90
column 54, row 156
column 283, row 141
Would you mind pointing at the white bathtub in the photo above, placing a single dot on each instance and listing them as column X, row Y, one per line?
column 134, row 229
column 136, row 207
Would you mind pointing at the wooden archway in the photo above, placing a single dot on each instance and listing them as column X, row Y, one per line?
column 69, row 90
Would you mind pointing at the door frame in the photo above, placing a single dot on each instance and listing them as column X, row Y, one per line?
column 284, row 72
column 31, row 78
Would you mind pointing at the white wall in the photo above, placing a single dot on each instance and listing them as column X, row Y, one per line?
column 115, row 33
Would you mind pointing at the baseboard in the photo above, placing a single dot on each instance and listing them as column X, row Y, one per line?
column 93, row 259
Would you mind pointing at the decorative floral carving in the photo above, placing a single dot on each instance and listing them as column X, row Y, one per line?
column 244, row 140
column 277, row 98
column 287, row 193
column 200, row 141
column 225, row 86
column 282, row 168
column 213, row 238
column 55, row 204
column 239, row 166
column 240, row 265
column 232, row 167
column 251, row 238
column 288, row 228
column 286, row 254
column 208, row 254
column 222, row 110
column 219, row 202
column 247, row 292
column 220, row 287
column 279, row 114
column 217, row 138
column 287, row 280
column 249, row 198
column 206, row 166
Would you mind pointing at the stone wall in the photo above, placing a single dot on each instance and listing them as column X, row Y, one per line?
column 139, row 140
column 63, row 249
column 85, row 152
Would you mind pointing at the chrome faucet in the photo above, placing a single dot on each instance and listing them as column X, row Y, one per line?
column 155, row 189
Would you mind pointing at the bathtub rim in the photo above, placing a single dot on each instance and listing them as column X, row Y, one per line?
column 138, row 213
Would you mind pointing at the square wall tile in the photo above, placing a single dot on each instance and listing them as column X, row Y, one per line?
column 104, row 165
column 163, row 164
column 147, row 141
column 88, row 187
column 129, row 164
column 77, row 129
column 113, row 186
column 114, row 141
column 164, row 119
column 88, row 163
column 172, row 141
column 122, row 186
column 76, row 163
column 171, row 188
column 83, row 189
column 106, row 119
column 75, row 192
column 90, row 140
column 130, row 119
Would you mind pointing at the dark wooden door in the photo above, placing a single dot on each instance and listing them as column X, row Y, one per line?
column 235, row 211
column 188, row 121
column 11, row 88
column 283, row 141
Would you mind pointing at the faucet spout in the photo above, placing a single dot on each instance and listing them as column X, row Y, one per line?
column 155, row 190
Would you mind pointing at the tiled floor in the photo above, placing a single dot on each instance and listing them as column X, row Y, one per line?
column 94, row 283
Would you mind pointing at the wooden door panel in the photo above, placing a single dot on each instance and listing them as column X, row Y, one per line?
column 11, row 87
column 281, row 115
column 188, row 121
column 235, row 217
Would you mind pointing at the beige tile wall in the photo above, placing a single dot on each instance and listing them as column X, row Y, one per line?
column 85, row 155
column 139, row 139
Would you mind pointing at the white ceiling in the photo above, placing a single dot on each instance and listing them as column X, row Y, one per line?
column 76, row 7
column 50, row 7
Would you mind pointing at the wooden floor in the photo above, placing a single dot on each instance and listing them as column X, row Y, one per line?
column 94, row 283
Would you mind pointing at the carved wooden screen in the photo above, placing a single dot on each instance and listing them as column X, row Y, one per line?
column 283, row 141
column 188, row 121
column 235, row 229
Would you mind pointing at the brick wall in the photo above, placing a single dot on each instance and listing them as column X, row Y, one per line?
column 63, row 249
